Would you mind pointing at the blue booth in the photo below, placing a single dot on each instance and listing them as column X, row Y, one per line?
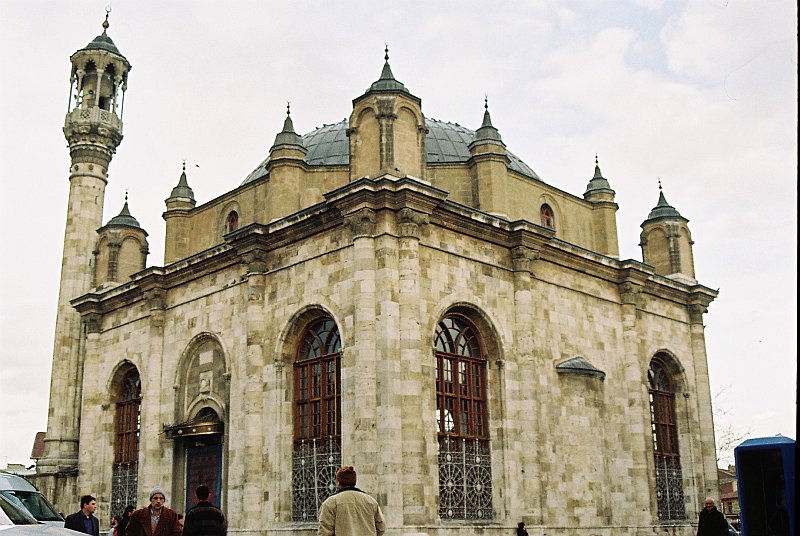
column 765, row 475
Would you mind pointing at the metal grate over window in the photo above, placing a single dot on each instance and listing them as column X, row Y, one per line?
column 664, row 430
column 127, row 424
column 317, row 418
column 465, row 471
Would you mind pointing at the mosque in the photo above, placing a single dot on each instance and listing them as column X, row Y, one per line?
column 392, row 292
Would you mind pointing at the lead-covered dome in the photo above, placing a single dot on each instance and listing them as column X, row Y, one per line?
column 445, row 142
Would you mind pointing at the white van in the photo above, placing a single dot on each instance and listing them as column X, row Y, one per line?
column 22, row 493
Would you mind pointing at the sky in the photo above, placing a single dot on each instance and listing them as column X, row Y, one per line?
column 701, row 94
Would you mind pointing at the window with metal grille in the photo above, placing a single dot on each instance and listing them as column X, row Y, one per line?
column 317, row 418
column 664, row 430
column 465, row 472
column 127, row 424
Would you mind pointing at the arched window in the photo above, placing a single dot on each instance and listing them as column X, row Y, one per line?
column 232, row 222
column 317, row 418
column 664, row 429
column 465, row 471
column 127, row 424
column 547, row 217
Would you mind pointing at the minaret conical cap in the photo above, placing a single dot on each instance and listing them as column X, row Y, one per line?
column 103, row 41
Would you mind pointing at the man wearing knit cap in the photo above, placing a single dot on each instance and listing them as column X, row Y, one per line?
column 350, row 511
column 156, row 519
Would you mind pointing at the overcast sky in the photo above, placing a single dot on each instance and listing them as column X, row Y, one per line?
column 702, row 94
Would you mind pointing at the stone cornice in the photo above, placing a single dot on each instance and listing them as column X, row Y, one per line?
column 416, row 203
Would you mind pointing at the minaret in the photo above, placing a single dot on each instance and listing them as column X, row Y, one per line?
column 93, row 128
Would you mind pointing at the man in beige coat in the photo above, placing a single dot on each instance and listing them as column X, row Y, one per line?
column 350, row 511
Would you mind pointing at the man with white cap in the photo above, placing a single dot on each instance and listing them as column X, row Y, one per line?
column 156, row 519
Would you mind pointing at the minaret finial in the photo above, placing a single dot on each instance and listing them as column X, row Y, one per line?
column 126, row 196
column 184, row 166
column 386, row 50
column 288, row 108
column 659, row 184
column 105, row 22
column 595, row 160
column 486, row 101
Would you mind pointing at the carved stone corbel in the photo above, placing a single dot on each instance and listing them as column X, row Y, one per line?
column 696, row 312
column 522, row 258
column 631, row 294
column 410, row 221
column 255, row 260
column 361, row 222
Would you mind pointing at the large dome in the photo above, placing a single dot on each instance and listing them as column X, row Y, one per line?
column 444, row 143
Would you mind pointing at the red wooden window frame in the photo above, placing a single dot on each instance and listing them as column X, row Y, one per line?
column 664, row 424
column 547, row 216
column 461, row 403
column 317, row 376
column 127, row 419
column 232, row 222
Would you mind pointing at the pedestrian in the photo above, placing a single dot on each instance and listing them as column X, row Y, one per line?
column 204, row 519
column 124, row 520
column 711, row 521
column 156, row 519
column 112, row 531
column 350, row 511
column 521, row 529
column 84, row 520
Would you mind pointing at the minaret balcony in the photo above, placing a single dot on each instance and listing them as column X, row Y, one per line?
column 94, row 115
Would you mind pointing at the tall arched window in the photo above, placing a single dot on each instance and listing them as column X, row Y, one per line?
column 465, row 471
column 547, row 217
column 317, row 418
column 664, row 429
column 232, row 222
column 127, row 424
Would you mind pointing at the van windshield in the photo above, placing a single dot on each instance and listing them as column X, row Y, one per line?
column 34, row 503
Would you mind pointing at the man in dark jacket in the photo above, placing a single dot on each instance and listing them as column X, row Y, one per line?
column 84, row 520
column 155, row 520
column 712, row 522
column 204, row 519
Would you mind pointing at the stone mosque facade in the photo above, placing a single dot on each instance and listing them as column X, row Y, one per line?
column 392, row 292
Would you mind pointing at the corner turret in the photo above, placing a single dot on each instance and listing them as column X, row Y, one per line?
column 387, row 130
column 489, row 162
column 604, row 213
column 666, row 241
column 121, row 248
column 179, row 204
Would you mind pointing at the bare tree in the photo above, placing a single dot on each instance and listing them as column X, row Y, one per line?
column 727, row 436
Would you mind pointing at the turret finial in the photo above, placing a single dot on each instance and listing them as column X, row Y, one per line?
column 596, row 163
column 126, row 196
column 486, row 102
column 184, row 166
column 105, row 22
column 386, row 50
column 659, row 184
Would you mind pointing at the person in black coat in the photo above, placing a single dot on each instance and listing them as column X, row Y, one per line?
column 84, row 520
column 711, row 522
column 204, row 519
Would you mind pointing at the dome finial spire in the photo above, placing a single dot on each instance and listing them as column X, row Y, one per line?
column 105, row 22
column 386, row 51
column 288, row 108
column 659, row 184
column 126, row 196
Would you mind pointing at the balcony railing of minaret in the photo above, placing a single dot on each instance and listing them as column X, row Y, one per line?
column 94, row 114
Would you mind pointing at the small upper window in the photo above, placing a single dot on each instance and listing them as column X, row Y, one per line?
column 547, row 217
column 232, row 223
